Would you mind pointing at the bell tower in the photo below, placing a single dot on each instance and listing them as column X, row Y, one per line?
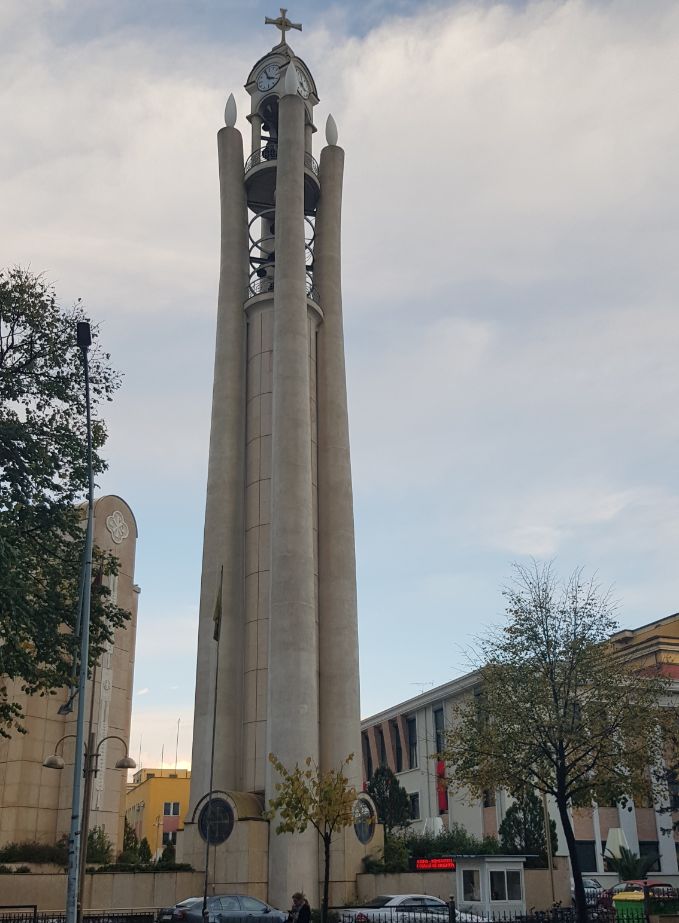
column 277, row 664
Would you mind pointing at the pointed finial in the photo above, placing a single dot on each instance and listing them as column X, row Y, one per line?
column 230, row 112
column 331, row 130
column 291, row 85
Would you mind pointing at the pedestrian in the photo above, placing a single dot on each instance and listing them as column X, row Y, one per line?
column 300, row 912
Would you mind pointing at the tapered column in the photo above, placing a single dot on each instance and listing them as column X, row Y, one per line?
column 338, row 628
column 223, row 537
column 293, row 667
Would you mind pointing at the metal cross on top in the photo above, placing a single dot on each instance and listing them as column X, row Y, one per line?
column 282, row 23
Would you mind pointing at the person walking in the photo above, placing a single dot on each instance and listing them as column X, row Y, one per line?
column 300, row 912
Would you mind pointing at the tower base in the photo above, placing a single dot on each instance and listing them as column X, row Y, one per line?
column 240, row 863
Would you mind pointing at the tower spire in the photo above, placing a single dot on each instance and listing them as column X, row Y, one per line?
column 282, row 23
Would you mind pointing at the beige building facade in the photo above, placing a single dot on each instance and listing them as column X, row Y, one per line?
column 407, row 736
column 35, row 802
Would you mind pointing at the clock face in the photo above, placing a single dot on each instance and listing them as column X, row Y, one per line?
column 268, row 77
column 303, row 83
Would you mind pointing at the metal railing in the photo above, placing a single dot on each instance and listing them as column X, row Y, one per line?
column 269, row 154
column 266, row 285
column 28, row 913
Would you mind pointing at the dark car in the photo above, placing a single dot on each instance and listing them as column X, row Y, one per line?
column 222, row 908
column 593, row 891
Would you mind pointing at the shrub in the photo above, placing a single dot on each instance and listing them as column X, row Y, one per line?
column 99, row 846
column 5, row 870
column 22, row 870
column 454, row 842
column 32, row 851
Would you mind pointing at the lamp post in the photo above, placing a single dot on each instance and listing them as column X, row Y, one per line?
column 90, row 767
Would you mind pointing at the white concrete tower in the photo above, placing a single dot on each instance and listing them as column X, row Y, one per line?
column 279, row 531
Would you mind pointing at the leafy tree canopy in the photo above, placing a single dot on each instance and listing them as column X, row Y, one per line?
column 43, row 476
column 556, row 708
column 309, row 795
column 391, row 800
column 522, row 830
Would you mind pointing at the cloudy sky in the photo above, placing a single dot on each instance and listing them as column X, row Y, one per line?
column 510, row 285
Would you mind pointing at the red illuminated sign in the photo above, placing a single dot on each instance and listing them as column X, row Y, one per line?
column 444, row 864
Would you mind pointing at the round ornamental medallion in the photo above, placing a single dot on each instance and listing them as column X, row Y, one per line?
column 215, row 821
column 116, row 525
column 364, row 820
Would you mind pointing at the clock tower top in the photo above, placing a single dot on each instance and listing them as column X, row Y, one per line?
column 266, row 81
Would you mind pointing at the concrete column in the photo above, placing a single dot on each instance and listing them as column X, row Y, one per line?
column 223, row 536
column 293, row 664
column 338, row 626
column 256, row 135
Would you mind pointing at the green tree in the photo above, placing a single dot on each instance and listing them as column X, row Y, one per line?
column 130, row 852
column 323, row 798
column 391, row 801
column 168, row 855
column 523, row 830
column 99, row 846
column 43, row 477
column 630, row 866
column 144, row 851
column 557, row 709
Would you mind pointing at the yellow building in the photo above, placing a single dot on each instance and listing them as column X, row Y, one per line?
column 155, row 805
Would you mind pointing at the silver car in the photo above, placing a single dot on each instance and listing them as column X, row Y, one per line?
column 398, row 908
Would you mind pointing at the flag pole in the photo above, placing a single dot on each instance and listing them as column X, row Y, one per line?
column 217, row 618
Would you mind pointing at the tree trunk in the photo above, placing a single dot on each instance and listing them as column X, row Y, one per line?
column 579, row 888
column 326, row 879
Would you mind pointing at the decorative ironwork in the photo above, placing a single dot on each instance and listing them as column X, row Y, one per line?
column 215, row 821
column 269, row 154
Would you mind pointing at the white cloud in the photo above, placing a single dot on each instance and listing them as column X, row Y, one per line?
column 510, row 223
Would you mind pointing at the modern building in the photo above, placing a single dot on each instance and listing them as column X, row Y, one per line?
column 35, row 802
column 155, row 805
column 278, row 635
column 407, row 736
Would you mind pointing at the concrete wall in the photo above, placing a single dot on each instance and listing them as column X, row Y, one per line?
column 122, row 891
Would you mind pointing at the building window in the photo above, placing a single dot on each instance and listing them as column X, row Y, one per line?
column 412, row 742
column 505, row 885
column 167, row 808
column 398, row 749
column 650, row 848
column 175, row 809
column 586, row 855
column 471, row 884
column 170, row 838
column 489, row 797
column 414, row 805
column 381, row 747
column 439, row 735
column 367, row 758
column 673, row 787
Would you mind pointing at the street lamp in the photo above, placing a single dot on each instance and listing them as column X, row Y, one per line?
column 90, row 765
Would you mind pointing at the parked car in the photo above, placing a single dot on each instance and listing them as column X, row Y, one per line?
column 593, row 891
column 224, row 908
column 403, row 908
column 657, row 889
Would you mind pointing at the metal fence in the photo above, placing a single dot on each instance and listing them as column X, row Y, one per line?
column 628, row 912
column 28, row 913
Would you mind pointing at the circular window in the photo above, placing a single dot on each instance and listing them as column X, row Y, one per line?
column 364, row 820
column 215, row 821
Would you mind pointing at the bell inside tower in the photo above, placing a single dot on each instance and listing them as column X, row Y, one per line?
column 260, row 181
